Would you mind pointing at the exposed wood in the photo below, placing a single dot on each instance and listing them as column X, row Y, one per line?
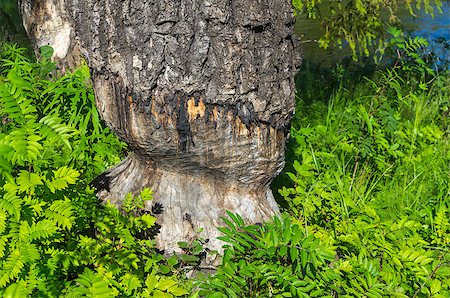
column 201, row 90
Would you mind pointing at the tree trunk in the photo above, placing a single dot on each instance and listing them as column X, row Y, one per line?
column 201, row 90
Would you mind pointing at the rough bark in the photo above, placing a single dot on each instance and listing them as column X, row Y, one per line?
column 201, row 90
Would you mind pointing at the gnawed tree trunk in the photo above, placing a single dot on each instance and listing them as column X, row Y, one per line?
column 201, row 90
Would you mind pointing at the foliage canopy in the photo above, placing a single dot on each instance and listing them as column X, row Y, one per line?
column 362, row 24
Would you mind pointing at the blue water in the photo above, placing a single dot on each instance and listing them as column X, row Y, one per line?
column 429, row 27
column 435, row 29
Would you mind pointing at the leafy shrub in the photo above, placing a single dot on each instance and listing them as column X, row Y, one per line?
column 371, row 174
column 55, row 238
column 276, row 259
column 370, row 259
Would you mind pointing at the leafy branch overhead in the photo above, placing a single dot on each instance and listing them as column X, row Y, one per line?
column 362, row 24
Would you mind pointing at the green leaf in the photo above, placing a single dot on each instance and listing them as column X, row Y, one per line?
column 11, row 268
column 298, row 4
column 54, row 130
column 183, row 245
column 3, row 217
column 61, row 211
column 62, row 178
column 435, row 286
column 151, row 281
column 163, row 284
column 27, row 181
column 42, row 229
column 46, row 52
column 293, row 253
column 14, row 290
column 177, row 291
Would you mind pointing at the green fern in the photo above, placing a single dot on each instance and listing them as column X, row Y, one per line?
column 40, row 157
column 27, row 182
column 11, row 267
column 62, row 213
column 3, row 244
column 93, row 285
column 3, row 218
column 17, row 290
column 25, row 143
column 62, row 177
column 54, row 130
column 29, row 252
column 12, row 204
column 14, row 102
column 5, row 166
column 22, row 232
column 42, row 229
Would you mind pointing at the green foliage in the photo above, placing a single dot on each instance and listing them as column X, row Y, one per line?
column 277, row 259
column 367, row 257
column 55, row 238
column 362, row 24
column 370, row 175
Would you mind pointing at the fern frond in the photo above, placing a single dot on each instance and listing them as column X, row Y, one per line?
column 57, row 257
column 128, row 258
column 24, row 231
column 5, row 151
column 61, row 212
column 29, row 252
column 18, row 81
column 14, row 98
column 3, row 217
column 132, row 283
column 88, row 244
column 11, row 268
column 5, row 169
column 61, row 178
column 93, row 285
column 17, row 289
column 148, row 220
column 36, row 204
column 10, row 106
column 53, row 129
column 27, row 181
column 42, row 229
column 53, row 252
column 25, row 143
column 52, row 264
column 125, row 235
column 18, row 140
column 3, row 242
column 15, row 104
column 12, row 204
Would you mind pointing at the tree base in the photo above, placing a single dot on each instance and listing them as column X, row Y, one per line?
column 192, row 204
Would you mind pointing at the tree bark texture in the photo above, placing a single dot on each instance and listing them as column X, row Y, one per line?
column 201, row 90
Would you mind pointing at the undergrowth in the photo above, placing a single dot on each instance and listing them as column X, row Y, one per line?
column 55, row 238
column 365, row 195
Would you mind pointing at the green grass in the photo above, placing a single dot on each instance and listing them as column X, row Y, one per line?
column 383, row 141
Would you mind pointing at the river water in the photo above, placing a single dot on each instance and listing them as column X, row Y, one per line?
column 436, row 30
